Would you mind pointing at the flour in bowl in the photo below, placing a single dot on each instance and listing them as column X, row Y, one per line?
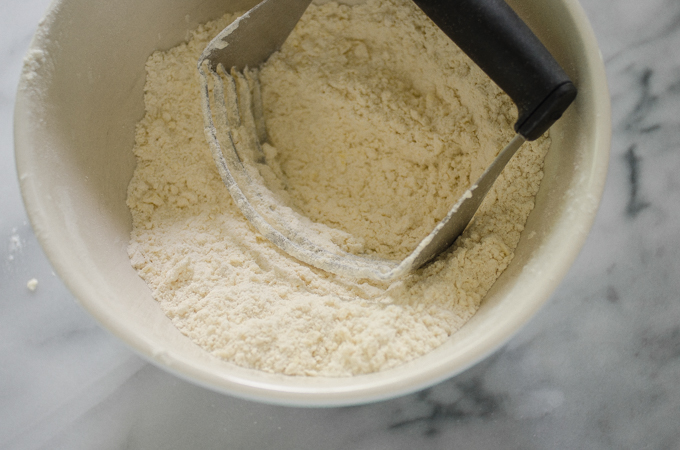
column 377, row 124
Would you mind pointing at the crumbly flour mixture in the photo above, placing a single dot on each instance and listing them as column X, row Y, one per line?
column 377, row 124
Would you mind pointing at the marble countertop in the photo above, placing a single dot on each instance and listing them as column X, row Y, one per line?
column 598, row 368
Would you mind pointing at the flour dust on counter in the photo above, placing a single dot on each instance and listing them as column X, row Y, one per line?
column 376, row 124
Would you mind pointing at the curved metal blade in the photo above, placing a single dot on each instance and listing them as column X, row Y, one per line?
column 253, row 37
column 234, row 137
column 458, row 218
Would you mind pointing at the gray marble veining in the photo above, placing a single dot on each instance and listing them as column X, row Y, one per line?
column 598, row 368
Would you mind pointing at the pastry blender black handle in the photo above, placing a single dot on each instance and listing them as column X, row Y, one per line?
column 504, row 47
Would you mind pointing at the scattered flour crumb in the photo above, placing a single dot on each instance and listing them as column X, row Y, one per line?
column 376, row 125
column 15, row 245
column 32, row 284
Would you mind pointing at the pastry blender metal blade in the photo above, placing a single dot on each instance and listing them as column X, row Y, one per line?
column 234, row 125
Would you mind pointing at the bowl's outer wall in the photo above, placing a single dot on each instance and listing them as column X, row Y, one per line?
column 80, row 98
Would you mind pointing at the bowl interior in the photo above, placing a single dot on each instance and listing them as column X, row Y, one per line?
column 79, row 101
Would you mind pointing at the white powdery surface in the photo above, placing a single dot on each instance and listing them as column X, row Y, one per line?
column 377, row 123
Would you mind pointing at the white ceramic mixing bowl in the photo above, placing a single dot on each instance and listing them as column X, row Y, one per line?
column 79, row 100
